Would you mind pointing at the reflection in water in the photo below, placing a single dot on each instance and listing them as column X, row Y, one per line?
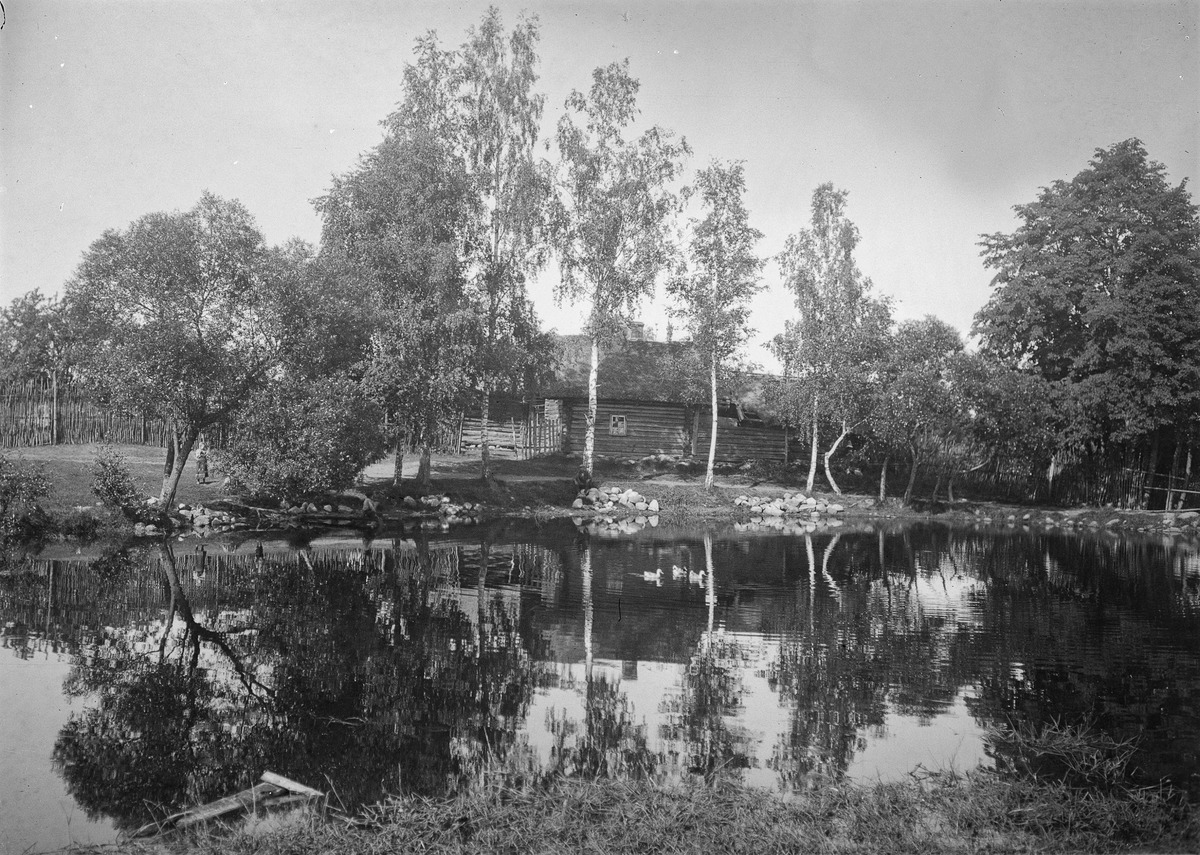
column 387, row 666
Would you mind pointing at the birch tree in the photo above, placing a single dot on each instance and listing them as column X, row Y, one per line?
column 834, row 307
column 613, row 224
column 714, row 290
column 500, row 114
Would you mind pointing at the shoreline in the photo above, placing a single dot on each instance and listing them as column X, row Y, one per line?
column 542, row 489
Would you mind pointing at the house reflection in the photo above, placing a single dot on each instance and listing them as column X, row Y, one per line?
column 414, row 664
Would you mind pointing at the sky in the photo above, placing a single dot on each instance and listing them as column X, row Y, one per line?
column 936, row 117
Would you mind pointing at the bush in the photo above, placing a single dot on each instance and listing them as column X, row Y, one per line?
column 113, row 484
column 21, row 518
column 303, row 438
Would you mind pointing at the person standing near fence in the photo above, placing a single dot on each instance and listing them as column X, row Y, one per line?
column 202, row 464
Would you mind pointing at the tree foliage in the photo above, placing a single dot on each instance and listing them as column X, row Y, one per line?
column 917, row 405
column 21, row 488
column 613, row 224
column 829, row 351
column 34, row 339
column 178, row 317
column 303, row 437
column 441, row 223
column 500, row 114
column 1099, row 287
column 714, row 290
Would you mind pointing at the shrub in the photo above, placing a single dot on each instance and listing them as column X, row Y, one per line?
column 113, row 484
column 302, row 438
column 21, row 518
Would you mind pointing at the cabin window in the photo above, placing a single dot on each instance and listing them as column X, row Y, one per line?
column 616, row 426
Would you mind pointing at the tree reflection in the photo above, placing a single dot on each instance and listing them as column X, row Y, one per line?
column 362, row 672
column 609, row 743
column 390, row 666
column 711, row 693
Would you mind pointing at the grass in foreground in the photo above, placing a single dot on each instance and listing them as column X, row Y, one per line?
column 938, row 813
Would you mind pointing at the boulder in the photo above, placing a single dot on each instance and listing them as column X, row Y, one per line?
column 652, row 506
column 577, row 504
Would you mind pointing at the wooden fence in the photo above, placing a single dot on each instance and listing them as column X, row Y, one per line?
column 511, row 438
column 1121, row 487
column 40, row 414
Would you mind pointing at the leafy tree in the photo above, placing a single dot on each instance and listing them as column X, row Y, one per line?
column 397, row 224
column 714, row 294
column 443, row 221
column 500, row 114
column 34, row 339
column 1099, row 287
column 827, row 351
column 999, row 414
column 422, row 368
column 178, row 318
column 21, row 487
column 113, row 483
column 303, row 437
column 612, row 232
column 327, row 322
column 916, row 405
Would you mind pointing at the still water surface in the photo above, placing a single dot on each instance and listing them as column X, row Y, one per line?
column 155, row 677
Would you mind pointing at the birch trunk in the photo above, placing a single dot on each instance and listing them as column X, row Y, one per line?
column 712, row 439
column 425, row 469
column 398, row 466
column 589, row 435
column 883, row 479
column 829, row 454
column 485, row 455
column 912, row 476
column 812, row 457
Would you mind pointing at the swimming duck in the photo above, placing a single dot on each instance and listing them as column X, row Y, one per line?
column 656, row 576
column 696, row 576
column 677, row 572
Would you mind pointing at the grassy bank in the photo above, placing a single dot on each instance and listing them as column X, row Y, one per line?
column 932, row 814
column 542, row 488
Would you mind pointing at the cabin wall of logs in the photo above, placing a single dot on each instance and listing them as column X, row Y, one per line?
column 640, row 428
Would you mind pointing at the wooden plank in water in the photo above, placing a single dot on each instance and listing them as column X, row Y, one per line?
column 290, row 785
column 242, row 801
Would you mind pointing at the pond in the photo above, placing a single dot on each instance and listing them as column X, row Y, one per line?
column 150, row 677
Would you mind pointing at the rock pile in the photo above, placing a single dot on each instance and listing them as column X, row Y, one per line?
column 614, row 526
column 203, row 519
column 1181, row 521
column 1175, row 523
column 444, row 507
column 789, row 505
column 612, row 498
